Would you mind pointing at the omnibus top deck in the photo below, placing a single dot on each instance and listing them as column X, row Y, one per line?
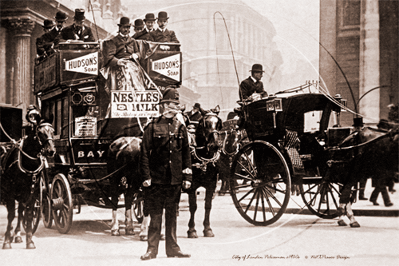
column 70, row 88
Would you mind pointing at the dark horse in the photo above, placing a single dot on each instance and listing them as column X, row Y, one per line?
column 205, row 155
column 366, row 153
column 21, row 167
column 123, row 166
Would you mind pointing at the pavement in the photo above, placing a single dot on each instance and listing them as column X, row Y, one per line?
column 360, row 207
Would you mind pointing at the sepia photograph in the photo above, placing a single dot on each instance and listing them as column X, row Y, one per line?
column 199, row 132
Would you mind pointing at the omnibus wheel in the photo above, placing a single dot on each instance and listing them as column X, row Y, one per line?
column 322, row 199
column 260, row 183
column 61, row 203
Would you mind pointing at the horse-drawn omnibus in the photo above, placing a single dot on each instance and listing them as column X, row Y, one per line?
column 87, row 118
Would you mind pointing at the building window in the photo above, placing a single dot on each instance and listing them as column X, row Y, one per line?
column 350, row 13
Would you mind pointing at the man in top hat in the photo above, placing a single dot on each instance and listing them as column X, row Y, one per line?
column 252, row 88
column 78, row 31
column 166, row 167
column 162, row 34
column 121, row 55
column 41, row 46
column 145, row 35
column 138, row 27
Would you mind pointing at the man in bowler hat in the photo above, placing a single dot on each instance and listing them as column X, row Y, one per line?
column 138, row 27
column 252, row 87
column 121, row 55
column 41, row 46
column 166, row 168
column 78, row 31
column 52, row 37
column 145, row 35
column 162, row 34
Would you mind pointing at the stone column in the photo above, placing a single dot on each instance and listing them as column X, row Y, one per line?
column 3, row 69
column 369, row 65
column 21, row 29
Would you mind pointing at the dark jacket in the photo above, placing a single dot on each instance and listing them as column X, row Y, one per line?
column 71, row 33
column 45, row 42
column 118, row 48
column 248, row 87
column 143, row 35
column 166, row 36
column 165, row 152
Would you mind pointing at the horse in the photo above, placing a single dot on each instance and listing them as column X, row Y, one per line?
column 231, row 141
column 21, row 166
column 205, row 155
column 367, row 153
column 123, row 166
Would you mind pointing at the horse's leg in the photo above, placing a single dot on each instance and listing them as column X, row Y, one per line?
column 29, row 219
column 17, row 232
column 8, row 238
column 114, row 184
column 144, row 228
column 351, row 216
column 343, row 202
column 129, row 228
column 192, row 200
column 208, row 206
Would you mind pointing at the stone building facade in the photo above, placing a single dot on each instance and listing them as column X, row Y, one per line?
column 362, row 37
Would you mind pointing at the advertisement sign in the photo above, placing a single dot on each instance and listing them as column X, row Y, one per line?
column 87, row 64
column 168, row 66
column 126, row 104
column 85, row 126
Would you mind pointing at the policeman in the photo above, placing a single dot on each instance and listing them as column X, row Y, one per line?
column 166, row 167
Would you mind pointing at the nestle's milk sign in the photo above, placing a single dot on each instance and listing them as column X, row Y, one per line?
column 87, row 64
column 168, row 66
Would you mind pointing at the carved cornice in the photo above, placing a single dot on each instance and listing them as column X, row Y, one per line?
column 23, row 26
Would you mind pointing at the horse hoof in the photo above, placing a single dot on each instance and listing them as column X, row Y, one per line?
column 18, row 239
column 30, row 246
column 143, row 238
column 192, row 234
column 355, row 224
column 129, row 230
column 208, row 233
column 6, row 245
column 342, row 223
column 115, row 232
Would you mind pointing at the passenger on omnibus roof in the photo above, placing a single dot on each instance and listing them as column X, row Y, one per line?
column 138, row 27
column 162, row 34
column 78, row 31
column 145, row 35
column 121, row 55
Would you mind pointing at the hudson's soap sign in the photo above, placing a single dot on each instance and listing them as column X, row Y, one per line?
column 135, row 103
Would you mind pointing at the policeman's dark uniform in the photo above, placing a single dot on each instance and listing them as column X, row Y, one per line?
column 165, row 154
